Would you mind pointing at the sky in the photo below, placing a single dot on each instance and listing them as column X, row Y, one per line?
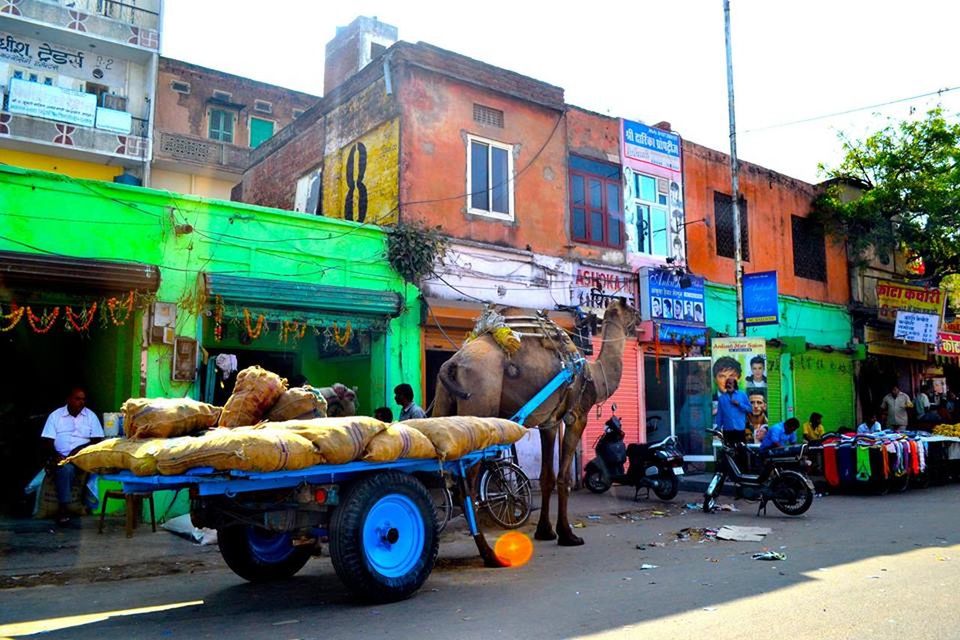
column 637, row 59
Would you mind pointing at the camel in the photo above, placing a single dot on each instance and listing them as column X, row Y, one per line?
column 482, row 380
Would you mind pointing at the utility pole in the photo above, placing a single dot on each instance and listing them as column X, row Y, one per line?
column 734, row 174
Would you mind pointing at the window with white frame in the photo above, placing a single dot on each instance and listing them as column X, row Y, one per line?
column 221, row 124
column 489, row 178
column 651, row 200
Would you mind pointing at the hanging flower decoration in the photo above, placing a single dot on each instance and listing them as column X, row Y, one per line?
column 253, row 333
column 292, row 328
column 85, row 318
column 342, row 339
column 45, row 323
column 13, row 318
column 218, row 319
column 113, row 304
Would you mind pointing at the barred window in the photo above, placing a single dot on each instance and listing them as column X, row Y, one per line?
column 809, row 249
column 723, row 216
column 488, row 116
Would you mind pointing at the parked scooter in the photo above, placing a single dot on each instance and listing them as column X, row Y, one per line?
column 652, row 466
column 779, row 481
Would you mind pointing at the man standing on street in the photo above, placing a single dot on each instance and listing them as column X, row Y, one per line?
column 68, row 430
column 403, row 395
column 895, row 404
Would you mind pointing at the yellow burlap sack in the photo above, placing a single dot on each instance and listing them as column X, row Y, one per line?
column 299, row 403
column 166, row 417
column 255, row 391
column 399, row 441
column 115, row 454
column 243, row 449
column 505, row 431
column 338, row 440
column 455, row 436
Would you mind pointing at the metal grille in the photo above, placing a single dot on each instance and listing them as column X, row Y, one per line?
column 262, row 106
column 723, row 215
column 809, row 249
column 222, row 96
column 488, row 116
column 180, row 87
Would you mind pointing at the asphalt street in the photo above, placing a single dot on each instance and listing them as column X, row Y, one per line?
column 855, row 567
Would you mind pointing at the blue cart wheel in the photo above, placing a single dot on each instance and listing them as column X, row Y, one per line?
column 259, row 555
column 383, row 538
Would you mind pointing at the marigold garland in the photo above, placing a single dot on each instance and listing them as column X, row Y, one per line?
column 86, row 318
column 14, row 317
column 253, row 333
column 112, row 305
column 342, row 339
column 45, row 322
column 218, row 319
column 292, row 328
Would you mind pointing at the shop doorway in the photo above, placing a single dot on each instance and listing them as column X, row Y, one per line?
column 691, row 407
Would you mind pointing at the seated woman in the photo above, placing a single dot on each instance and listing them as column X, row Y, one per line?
column 813, row 430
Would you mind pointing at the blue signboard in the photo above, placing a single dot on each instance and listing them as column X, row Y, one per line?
column 649, row 144
column 676, row 334
column 760, row 304
column 665, row 299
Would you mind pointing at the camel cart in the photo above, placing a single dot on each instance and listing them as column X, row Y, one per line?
column 377, row 517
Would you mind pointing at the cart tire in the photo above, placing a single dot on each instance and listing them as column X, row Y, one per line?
column 258, row 555
column 383, row 537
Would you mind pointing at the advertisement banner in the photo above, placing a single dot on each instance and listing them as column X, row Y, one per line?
column 760, row 306
column 594, row 288
column 52, row 58
column 896, row 296
column 53, row 103
column 916, row 327
column 651, row 145
column 881, row 342
column 664, row 299
column 677, row 334
column 948, row 344
column 744, row 360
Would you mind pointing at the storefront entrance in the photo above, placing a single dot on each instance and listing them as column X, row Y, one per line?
column 678, row 402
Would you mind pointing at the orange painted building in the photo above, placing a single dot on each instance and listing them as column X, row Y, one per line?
column 773, row 201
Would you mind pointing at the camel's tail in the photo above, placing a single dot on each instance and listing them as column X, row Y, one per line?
column 448, row 378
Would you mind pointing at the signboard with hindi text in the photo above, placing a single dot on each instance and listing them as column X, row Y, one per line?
column 881, row 342
column 52, row 103
column 916, row 327
column 896, row 296
column 948, row 344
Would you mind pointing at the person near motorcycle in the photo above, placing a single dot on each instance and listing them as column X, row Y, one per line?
column 780, row 434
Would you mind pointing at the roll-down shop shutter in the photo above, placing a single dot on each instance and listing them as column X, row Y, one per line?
column 279, row 299
column 824, row 383
column 41, row 274
column 627, row 398
column 774, row 386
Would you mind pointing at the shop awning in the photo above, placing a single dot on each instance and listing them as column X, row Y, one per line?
column 300, row 296
column 74, row 275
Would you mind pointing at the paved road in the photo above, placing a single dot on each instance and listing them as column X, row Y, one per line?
column 856, row 567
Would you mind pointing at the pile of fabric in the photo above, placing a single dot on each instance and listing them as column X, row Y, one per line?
column 266, row 427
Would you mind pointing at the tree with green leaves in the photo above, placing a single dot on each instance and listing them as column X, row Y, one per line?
column 908, row 194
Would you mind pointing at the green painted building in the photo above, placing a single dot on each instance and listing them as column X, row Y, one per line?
column 810, row 365
column 308, row 297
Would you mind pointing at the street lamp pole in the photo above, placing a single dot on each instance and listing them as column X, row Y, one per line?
column 734, row 174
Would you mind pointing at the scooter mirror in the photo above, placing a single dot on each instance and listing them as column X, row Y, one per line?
column 613, row 408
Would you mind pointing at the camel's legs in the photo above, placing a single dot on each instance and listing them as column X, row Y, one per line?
column 548, row 437
column 571, row 436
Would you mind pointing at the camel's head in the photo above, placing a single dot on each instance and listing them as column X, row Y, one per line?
column 622, row 313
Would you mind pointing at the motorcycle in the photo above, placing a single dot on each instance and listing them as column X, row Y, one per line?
column 781, row 480
column 652, row 466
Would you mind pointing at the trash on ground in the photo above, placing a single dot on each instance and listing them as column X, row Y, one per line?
column 183, row 527
column 646, row 567
column 769, row 555
column 578, row 525
column 593, row 517
column 658, row 514
column 726, row 507
column 742, row 534
column 697, row 534
column 692, row 506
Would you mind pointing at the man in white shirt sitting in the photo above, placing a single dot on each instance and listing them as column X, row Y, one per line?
column 67, row 430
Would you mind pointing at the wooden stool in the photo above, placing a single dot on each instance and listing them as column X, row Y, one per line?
column 134, row 505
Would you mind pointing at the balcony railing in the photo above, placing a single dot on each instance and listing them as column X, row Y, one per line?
column 183, row 148
column 130, row 148
column 115, row 20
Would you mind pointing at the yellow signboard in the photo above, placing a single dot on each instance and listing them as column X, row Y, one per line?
column 896, row 296
column 882, row 343
column 361, row 179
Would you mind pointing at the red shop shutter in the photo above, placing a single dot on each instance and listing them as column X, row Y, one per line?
column 627, row 397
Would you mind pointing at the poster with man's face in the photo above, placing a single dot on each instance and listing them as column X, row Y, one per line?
column 740, row 362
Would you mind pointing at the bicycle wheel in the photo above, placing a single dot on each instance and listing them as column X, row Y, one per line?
column 505, row 494
column 442, row 501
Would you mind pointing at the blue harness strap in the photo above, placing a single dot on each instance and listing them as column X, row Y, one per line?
column 563, row 377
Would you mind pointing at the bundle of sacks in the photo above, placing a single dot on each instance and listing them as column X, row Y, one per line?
column 266, row 427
